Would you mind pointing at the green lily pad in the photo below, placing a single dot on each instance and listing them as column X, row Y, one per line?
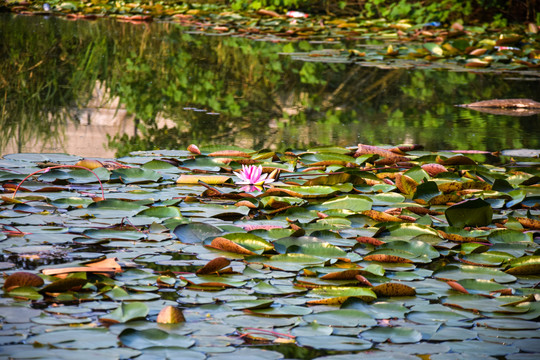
column 141, row 339
column 127, row 312
column 135, row 175
column 351, row 202
column 342, row 317
column 396, row 335
column 475, row 212
column 98, row 338
column 334, row 343
column 453, row 272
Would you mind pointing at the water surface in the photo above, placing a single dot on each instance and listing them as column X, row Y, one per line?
column 105, row 88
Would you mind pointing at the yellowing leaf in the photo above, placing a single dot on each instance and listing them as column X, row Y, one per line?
column 329, row 301
column 89, row 164
column 208, row 179
column 405, row 184
column 381, row 217
column 456, row 237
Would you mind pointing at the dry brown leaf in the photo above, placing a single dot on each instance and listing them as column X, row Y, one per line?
column 246, row 203
column 106, row 267
column 507, row 291
column 280, row 191
column 224, row 244
column 393, row 289
column 449, row 187
column 401, row 160
column 433, row 169
column 478, row 52
column 457, row 286
column 381, row 216
column 341, row 275
column 407, row 218
column 444, row 199
column 208, row 179
column 363, row 280
column 529, row 223
column 532, row 269
column 369, row 240
column 268, row 13
column 213, row 266
column 63, row 285
column 385, row 258
column 368, row 149
column 456, row 237
column 418, row 210
column 22, row 278
column 456, row 160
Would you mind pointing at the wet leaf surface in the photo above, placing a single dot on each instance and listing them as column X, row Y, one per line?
column 169, row 269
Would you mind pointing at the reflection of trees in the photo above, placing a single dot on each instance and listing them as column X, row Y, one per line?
column 164, row 76
column 31, row 98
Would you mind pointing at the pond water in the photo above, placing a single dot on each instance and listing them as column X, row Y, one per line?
column 105, row 88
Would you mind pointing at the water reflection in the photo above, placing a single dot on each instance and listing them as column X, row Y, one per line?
column 106, row 88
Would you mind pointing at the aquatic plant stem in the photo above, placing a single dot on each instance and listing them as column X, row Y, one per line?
column 58, row 167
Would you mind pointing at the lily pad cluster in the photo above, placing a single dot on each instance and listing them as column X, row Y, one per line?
column 393, row 252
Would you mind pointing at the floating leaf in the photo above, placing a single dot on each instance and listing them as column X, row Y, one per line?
column 142, row 339
column 208, row 179
column 396, row 335
column 393, row 289
column 195, row 232
column 334, row 343
column 387, row 258
column 126, row 312
column 349, row 202
column 22, row 278
column 342, row 317
column 135, row 175
column 476, row 212
column 213, row 266
column 224, row 244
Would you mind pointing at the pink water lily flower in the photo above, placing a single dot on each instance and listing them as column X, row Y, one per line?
column 252, row 175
